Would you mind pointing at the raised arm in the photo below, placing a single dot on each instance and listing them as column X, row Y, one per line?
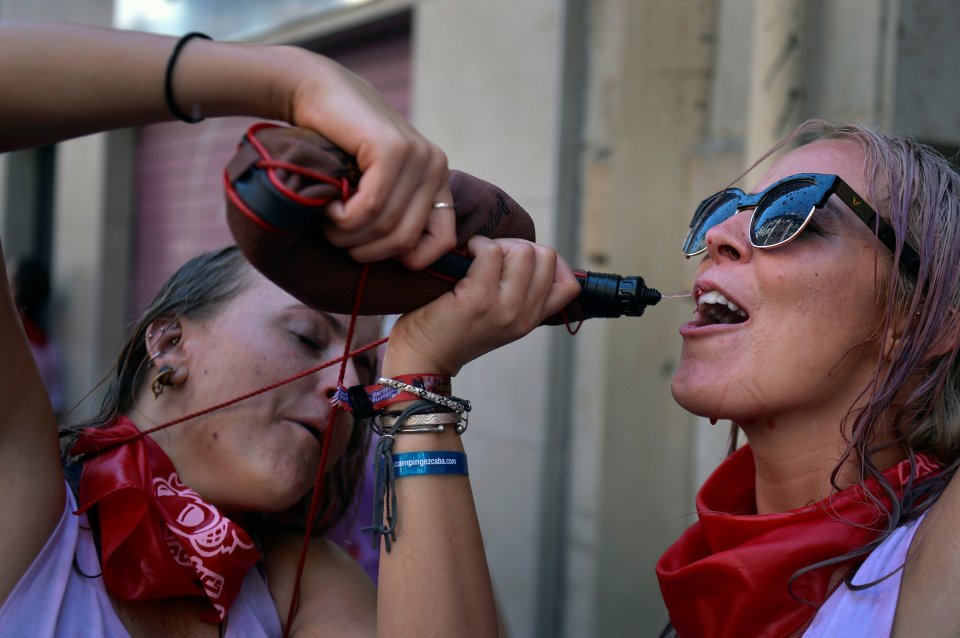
column 435, row 582
column 61, row 81
column 31, row 492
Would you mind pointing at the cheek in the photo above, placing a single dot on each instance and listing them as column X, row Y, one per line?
column 827, row 331
column 846, row 305
column 738, row 387
column 341, row 437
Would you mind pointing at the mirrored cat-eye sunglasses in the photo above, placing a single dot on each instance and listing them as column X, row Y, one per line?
column 782, row 210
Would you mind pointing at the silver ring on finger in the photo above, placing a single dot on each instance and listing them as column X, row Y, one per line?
column 444, row 205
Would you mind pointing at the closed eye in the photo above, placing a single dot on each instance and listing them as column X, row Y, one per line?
column 813, row 227
column 308, row 342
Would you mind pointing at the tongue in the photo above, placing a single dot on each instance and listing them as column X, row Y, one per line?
column 719, row 313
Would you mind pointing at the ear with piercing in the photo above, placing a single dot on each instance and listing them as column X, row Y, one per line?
column 161, row 380
column 162, row 334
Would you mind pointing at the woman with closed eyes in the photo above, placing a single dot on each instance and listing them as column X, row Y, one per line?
column 181, row 508
column 826, row 331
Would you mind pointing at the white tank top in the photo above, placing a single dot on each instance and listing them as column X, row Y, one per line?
column 55, row 599
column 867, row 613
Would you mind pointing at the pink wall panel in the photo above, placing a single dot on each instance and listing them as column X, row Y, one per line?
column 180, row 209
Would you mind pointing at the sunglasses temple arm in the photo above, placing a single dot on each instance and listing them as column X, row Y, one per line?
column 885, row 233
column 860, row 208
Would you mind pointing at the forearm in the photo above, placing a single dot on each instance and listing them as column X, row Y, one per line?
column 61, row 81
column 435, row 581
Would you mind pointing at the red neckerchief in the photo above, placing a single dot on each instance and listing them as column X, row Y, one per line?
column 158, row 538
column 727, row 575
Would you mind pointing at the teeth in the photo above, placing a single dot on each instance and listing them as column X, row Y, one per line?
column 714, row 297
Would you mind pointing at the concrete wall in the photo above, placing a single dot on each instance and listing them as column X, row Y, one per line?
column 91, row 261
column 925, row 85
column 655, row 108
column 486, row 88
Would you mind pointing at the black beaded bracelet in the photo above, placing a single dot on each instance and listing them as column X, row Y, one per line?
column 168, row 78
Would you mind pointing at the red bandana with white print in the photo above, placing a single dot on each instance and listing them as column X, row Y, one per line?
column 727, row 575
column 158, row 538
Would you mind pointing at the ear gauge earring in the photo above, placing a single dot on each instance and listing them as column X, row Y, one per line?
column 161, row 381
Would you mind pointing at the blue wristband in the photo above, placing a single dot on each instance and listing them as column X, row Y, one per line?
column 420, row 463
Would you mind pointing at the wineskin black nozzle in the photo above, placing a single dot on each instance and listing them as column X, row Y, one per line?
column 609, row 295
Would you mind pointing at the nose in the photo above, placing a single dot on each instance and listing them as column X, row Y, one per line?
column 730, row 239
column 328, row 377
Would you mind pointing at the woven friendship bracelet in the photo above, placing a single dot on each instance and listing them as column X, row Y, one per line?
column 368, row 401
column 422, row 463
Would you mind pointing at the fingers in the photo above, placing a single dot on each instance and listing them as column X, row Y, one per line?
column 550, row 285
column 392, row 212
column 487, row 263
column 511, row 287
column 523, row 282
column 564, row 288
column 432, row 240
column 403, row 173
column 438, row 238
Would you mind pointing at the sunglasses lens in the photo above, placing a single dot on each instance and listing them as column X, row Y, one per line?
column 713, row 211
column 782, row 213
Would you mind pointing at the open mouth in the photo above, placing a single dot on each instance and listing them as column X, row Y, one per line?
column 714, row 308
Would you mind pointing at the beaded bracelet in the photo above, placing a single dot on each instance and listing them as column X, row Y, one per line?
column 460, row 406
column 168, row 79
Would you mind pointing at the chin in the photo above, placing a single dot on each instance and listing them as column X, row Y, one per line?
column 280, row 490
column 690, row 391
column 699, row 396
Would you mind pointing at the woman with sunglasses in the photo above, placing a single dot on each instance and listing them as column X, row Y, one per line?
column 185, row 531
column 826, row 330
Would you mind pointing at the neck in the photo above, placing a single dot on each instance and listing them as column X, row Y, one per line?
column 795, row 458
column 788, row 478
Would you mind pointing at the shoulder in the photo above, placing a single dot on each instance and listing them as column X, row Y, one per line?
column 336, row 596
column 61, row 590
column 931, row 576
